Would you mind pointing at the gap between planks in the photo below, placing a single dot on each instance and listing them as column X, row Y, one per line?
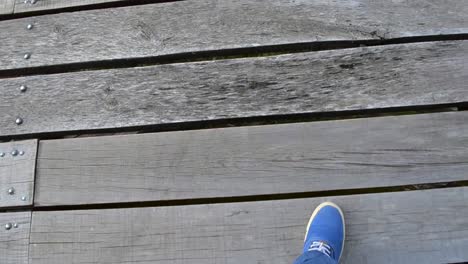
column 335, row 81
column 246, row 121
column 201, row 25
column 223, row 54
column 241, row 199
column 299, row 159
column 422, row 226
column 253, row 198
column 20, row 9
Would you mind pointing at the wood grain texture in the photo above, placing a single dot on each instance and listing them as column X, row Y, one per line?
column 40, row 5
column 199, row 25
column 350, row 79
column 6, row 6
column 14, row 243
column 407, row 227
column 241, row 161
column 17, row 172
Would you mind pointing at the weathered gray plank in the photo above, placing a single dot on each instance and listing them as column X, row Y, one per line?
column 6, row 6
column 240, row 161
column 17, row 168
column 14, row 243
column 408, row 227
column 21, row 6
column 361, row 78
column 197, row 25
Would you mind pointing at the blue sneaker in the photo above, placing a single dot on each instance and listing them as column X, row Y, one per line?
column 326, row 231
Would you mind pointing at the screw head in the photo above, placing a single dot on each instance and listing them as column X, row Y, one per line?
column 8, row 226
column 23, row 198
column 14, row 152
column 30, row 26
column 27, row 56
column 11, row 191
column 15, row 225
column 33, row 1
column 2, row 154
column 19, row 121
column 23, row 88
column 21, row 153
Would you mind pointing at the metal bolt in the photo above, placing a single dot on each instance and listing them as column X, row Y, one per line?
column 19, row 121
column 30, row 26
column 2, row 154
column 33, row 1
column 11, row 191
column 8, row 226
column 23, row 88
column 21, row 153
column 23, row 198
column 14, row 152
column 15, row 225
column 27, row 56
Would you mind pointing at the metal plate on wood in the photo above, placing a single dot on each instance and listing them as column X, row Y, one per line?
column 17, row 168
column 14, row 237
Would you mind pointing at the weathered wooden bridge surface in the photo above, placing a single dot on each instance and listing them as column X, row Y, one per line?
column 206, row 131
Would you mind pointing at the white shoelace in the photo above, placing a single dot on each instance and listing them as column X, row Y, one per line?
column 322, row 247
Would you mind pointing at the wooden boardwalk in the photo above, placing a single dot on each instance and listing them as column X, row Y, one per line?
column 206, row 131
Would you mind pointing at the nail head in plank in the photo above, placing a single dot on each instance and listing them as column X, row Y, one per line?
column 338, row 80
column 14, row 243
column 17, row 168
column 301, row 157
column 419, row 227
column 201, row 25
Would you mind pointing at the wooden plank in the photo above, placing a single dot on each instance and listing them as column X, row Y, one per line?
column 6, row 7
column 17, row 168
column 200, row 25
column 14, row 242
column 21, row 6
column 408, row 227
column 350, row 79
column 241, row 161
